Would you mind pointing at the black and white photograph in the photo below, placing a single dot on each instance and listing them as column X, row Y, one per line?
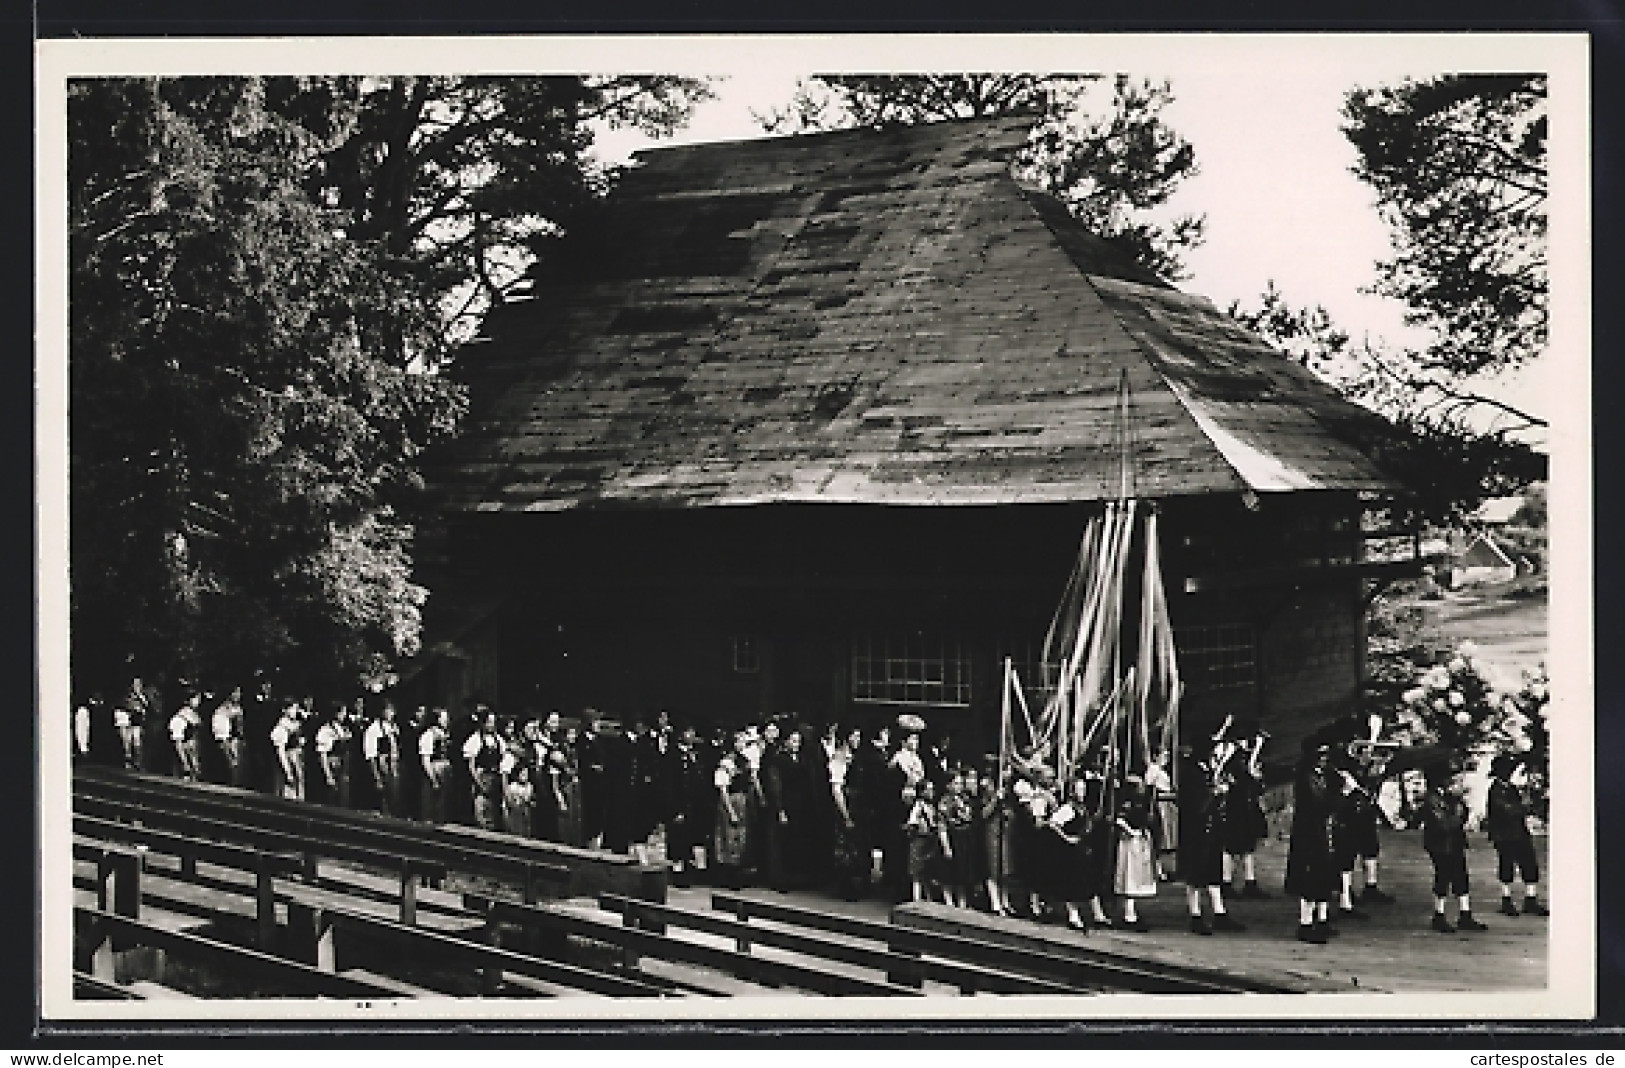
column 1081, row 527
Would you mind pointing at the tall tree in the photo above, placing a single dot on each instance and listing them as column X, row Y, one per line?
column 458, row 177
column 1098, row 144
column 268, row 276
column 1458, row 164
column 1449, row 464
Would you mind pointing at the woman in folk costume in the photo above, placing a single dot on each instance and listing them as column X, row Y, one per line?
column 999, row 815
column 1312, row 874
column 1201, row 839
column 1043, row 854
column 1078, row 863
column 519, row 802
column 849, row 843
column 964, row 840
column 735, row 812
column 549, row 784
column 927, row 839
column 1159, row 784
column 975, row 870
column 1136, row 871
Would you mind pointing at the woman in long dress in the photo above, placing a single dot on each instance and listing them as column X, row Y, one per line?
column 1136, row 874
column 996, row 814
column 850, row 847
column 735, row 813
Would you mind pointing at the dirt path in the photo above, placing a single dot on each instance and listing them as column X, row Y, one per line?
column 1511, row 633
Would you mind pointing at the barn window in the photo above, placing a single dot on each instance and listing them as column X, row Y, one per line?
column 911, row 668
column 747, row 661
column 1218, row 656
column 1031, row 669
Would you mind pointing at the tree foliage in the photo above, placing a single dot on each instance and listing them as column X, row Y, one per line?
column 1459, row 167
column 267, row 276
column 1098, row 144
column 1449, row 465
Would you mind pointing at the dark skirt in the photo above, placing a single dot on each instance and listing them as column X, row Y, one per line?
column 1312, row 871
column 968, row 866
column 733, row 839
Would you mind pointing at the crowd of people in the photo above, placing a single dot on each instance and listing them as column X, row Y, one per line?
column 881, row 810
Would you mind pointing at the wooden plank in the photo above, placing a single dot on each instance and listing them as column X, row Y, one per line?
column 973, row 936
column 904, row 969
column 541, row 863
column 88, row 986
column 96, row 928
column 646, row 943
column 481, row 955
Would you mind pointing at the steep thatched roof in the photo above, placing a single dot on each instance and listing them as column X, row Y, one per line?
column 870, row 317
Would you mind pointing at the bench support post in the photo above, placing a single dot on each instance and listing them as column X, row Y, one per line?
column 491, row 974
column 101, row 951
column 118, row 884
column 313, row 931
column 910, row 976
column 264, row 909
column 409, row 893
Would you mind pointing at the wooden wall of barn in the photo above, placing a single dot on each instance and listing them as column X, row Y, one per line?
column 730, row 615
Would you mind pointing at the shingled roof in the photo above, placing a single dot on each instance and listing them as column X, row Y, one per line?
column 870, row 317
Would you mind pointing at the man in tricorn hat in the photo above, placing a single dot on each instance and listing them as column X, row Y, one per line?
column 1507, row 820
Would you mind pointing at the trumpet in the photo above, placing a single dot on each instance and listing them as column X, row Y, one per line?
column 1367, row 750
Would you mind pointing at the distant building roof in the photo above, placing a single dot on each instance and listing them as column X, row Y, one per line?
column 875, row 317
column 1483, row 551
column 1498, row 511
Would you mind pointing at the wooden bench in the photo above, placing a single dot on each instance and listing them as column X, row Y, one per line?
column 90, row 988
column 577, row 870
column 309, row 831
column 932, row 928
column 1082, row 971
column 264, row 865
column 96, row 931
column 118, row 875
column 488, row 957
column 904, row 969
column 635, row 942
column 309, row 848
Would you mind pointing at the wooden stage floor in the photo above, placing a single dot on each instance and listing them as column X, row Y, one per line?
column 1395, row 950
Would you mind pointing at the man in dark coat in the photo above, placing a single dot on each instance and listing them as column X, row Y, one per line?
column 1507, row 821
column 1444, row 836
column 1201, row 838
column 693, row 806
column 592, row 749
column 620, row 787
column 1312, row 874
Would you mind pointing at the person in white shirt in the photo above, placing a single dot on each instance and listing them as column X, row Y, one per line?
column 484, row 752
column 333, row 742
column 184, row 727
column 130, row 718
column 227, row 727
column 81, row 726
column 288, row 743
column 434, row 746
column 381, row 748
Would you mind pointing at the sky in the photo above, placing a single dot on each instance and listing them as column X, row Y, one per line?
column 1274, row 183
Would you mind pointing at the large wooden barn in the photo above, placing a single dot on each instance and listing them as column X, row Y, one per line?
column 811, row 426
